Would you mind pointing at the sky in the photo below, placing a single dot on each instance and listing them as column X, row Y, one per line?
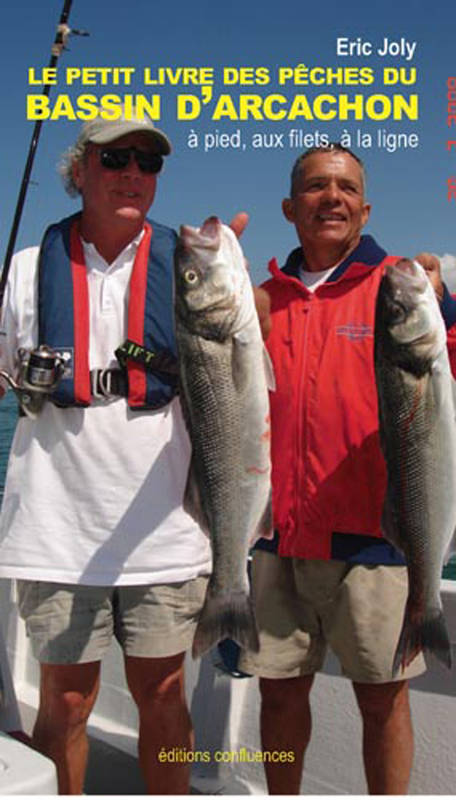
column 407, row 187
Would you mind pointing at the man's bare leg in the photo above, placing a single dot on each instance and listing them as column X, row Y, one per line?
column 67, row 696
column 157, row 686
column 387, row 735
column 285, row 726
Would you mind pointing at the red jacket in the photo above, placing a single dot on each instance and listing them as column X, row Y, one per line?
column 449, row 314
column 328, row 473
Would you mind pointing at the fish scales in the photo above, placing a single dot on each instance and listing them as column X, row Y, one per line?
column 225, row 403
column 411, row 457
column 418, row 433
column 212, row 412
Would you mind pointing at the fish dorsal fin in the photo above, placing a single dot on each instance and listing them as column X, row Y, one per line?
column 269, row 370
column 238, row 365
column 441, row 371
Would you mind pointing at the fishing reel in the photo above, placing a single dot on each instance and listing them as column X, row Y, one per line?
column 39, row 372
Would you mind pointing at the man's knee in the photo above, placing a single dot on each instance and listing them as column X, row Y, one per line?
column 291, row 694
column 382, row 699
column 69, row 711
column 67, row 696
column 156, row 682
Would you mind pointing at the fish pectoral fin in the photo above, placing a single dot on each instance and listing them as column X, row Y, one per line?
column 239, row 364
column 265, row 527
column 192, row 500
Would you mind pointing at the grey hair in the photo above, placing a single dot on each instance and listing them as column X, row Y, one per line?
column 77, row 152
column 325, row 148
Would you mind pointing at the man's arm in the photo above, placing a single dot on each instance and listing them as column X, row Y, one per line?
column 18, row 322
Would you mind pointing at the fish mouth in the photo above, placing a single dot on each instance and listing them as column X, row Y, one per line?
column 408, row 275
column 205, row 238
column 410, row 308
column 408, row 284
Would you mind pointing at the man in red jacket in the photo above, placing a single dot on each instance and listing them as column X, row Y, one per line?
column 334, row 580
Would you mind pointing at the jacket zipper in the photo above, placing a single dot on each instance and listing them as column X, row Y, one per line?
column 302, row 414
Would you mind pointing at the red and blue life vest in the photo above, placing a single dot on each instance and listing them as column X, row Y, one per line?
column 63, row 312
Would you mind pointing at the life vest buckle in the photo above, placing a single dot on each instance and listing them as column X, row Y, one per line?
column 108, row 383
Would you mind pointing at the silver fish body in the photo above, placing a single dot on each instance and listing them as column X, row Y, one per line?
column 418, row 434
column 224, row 394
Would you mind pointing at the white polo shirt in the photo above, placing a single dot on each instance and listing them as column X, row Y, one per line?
column 94, row 495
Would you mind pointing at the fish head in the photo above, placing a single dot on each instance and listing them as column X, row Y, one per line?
column 209, row 278
column 409, row 314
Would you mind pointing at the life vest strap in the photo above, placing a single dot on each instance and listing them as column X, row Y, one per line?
column 152, row 360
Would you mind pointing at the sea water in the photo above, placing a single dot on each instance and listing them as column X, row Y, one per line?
column 8, row 418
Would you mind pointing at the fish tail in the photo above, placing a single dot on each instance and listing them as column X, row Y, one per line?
column 228, row 616
column 426, row 632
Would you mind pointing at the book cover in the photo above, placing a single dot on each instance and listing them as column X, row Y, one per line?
column 242, row 89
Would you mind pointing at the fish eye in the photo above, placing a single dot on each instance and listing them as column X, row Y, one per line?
column 398, row 312
column 190, row 276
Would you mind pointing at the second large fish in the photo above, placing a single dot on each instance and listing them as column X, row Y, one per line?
column 225, row 401
column 418, row 432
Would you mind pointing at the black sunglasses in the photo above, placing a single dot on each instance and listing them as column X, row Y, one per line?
column 118, row 157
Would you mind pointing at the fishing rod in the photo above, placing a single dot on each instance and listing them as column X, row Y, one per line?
column 61, row 37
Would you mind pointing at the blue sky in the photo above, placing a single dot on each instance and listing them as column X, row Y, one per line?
column 407, row 188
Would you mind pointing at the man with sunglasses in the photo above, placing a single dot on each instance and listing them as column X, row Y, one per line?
column 92, row 523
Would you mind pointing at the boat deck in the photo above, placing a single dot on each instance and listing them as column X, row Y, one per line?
column 110, row 771
column 225, row 715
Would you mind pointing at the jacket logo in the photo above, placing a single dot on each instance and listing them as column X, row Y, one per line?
column 355, row 331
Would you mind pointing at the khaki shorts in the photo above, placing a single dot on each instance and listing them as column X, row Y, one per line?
column 303, row 606
column 72, row 624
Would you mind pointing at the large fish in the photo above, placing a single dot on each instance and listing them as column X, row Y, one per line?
column 418, row 434
column 224, row 394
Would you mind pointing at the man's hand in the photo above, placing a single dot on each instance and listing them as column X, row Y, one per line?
column 432, row 266
column 239, row 223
